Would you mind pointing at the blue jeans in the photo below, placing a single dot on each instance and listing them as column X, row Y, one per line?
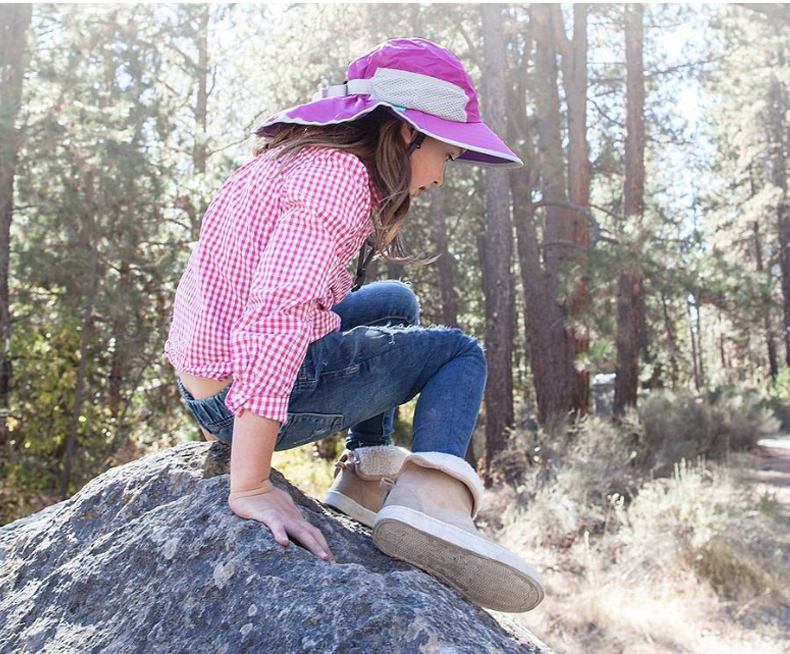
column 381, row 358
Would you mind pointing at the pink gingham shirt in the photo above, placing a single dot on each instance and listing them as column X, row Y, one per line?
column 270, row 263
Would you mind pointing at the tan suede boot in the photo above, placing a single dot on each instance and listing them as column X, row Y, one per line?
column 357, row 490
column 427, row 519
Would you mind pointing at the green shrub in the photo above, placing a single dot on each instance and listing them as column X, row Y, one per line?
column 681, row 425
column 778, row 397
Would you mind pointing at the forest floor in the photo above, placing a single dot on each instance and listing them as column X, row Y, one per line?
column 698, row 563
column 768, row 468
column 593, row 605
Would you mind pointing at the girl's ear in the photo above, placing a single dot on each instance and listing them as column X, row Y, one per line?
column 406, row 131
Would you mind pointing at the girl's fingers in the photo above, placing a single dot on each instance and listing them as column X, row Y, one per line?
column 278, row 530
column 283, row 520
column 302, row 533
column 322, row 541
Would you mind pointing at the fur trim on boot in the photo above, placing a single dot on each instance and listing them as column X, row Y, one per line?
column 379, row 461
column 456, row 467
column 357, row 490
column 426, row 519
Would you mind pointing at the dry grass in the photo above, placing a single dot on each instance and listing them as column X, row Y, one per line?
column 305, row 468
column 689, row 563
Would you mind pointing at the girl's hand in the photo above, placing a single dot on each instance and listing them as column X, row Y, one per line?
column 275, row 508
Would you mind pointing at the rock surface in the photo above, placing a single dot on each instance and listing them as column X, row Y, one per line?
column 148, row 557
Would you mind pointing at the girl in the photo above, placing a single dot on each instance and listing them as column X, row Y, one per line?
column 272, row 351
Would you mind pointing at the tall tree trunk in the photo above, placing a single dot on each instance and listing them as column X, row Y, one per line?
column 498, row 278
column 558, row 229
column 550, row 382
column 629, row 284
column 200, row 152
column 195, row 19
column 119, row 354
column 547, row 356
column 14, row 22
column 574, row 81
column 655, row 380
column 671, row 340
column 91, row 244
column 773, row 363
column 700, row 352
column 779, row 106
column 697, row 384
column 444, row 264
column 118, row 359
column 722, row 352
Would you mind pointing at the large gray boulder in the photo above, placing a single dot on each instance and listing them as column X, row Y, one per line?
column 149, row 558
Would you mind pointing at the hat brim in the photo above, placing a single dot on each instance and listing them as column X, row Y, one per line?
column 482, row 145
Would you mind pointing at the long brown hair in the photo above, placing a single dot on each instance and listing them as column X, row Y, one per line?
column 376, row 139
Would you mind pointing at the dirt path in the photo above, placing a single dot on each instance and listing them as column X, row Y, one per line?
column 768, row 467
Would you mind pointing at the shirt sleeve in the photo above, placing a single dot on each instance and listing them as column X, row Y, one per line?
column 324, row 201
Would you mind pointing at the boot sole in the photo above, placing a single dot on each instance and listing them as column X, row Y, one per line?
column 353, row 509
column 483, row 571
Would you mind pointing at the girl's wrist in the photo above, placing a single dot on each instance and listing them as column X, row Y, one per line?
column 263, row 487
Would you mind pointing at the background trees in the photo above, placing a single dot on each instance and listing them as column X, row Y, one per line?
column 648, row 233
column 14, row 23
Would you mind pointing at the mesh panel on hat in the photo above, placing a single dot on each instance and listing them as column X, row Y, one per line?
column 422, row 92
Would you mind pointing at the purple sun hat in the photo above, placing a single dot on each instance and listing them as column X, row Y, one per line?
column 423, row 84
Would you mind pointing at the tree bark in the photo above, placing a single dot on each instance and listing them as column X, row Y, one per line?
column 697, row 380
column 574, row 80
column 416, row 19
column 671, row 340
column 773, row 364
column 394, row 270
column 547, row 356
column 14, row 22
column 119, row 354
column 722, row 352
column 770, row 343
column 558, row 226
column 200, row 152
column 498, row 281
column 629, row 284
column 559, row 221
column 700, row 351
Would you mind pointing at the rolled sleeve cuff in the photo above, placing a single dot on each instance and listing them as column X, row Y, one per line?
column 273, row 407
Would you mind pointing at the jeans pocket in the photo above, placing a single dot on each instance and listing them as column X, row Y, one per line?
column 304, row 428
column 340, row 374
